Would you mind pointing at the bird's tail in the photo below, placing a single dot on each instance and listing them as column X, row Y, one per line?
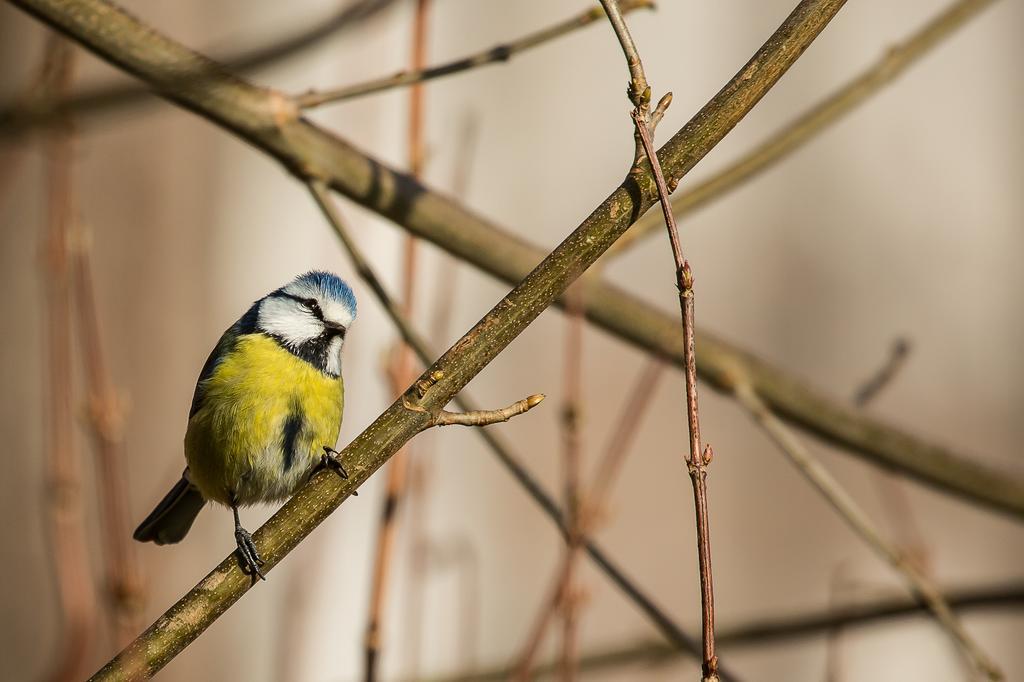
column 172, row 518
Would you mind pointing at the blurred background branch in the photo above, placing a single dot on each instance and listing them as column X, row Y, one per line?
column 499, row 53
column 134, row 47
column 497, row 444
column 775, row 629
column 273, row 122
column 854, row 516
column 19, row 117
column 64, row 494
column 269, row 122
column 815, row 120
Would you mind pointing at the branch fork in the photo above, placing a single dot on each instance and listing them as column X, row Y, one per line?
column 650, row 119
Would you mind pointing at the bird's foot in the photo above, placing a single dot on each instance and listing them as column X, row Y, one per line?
column 331, row 459
column 251, row 560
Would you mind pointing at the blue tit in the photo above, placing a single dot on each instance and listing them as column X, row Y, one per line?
column 266, row 410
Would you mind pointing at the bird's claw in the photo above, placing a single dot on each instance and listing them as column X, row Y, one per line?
column 331, row 459
column 251, row 559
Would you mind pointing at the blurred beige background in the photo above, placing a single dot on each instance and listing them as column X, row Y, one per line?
column 904, row 219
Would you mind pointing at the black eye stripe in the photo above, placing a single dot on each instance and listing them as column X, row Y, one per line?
column 310, row 303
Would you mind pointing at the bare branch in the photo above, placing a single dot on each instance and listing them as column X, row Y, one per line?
column 893, row 494
column 855, row 517
column 563, row 596
column 639, row 91
column 27, row 113
column 569, row 592
column 394, row 492
column 590, row 505
column 400, row 370
column 265, row 119
column 498, row 53
column 487, row 417
column 657, row 615
column 125, row 586
column 65, row 508
column 807, row 126
column 271, row 122
column 1009, row 597
column 897, row 356
column 700, row 456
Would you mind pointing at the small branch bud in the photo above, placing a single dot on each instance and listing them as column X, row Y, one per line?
column 687, row 276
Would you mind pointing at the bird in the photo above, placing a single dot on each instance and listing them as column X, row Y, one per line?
column 266, row 412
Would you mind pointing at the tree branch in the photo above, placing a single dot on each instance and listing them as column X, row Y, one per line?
column 770, row 630
column 818, row 118
column 125, row 586
column 400, row 371
column 498, row 53
column 570, row 594
column 591, row 504
column 487, row 417
column 18, row 117
column 270, row 122
column 121, row 38
column 68, row 535
column 854, row 516
column 700, row 456
column 658, row 616
column 885, row 374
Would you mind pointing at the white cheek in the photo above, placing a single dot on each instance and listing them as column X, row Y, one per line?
column 334, row 356
column 283, row 319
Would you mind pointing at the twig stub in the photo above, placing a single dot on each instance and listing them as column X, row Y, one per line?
column 487, row 417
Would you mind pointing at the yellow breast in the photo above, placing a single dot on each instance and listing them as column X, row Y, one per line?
column 265, row 417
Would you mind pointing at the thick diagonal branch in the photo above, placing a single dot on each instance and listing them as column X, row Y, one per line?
column 658, row 616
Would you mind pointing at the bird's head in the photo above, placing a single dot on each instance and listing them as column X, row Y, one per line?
column 310, row 317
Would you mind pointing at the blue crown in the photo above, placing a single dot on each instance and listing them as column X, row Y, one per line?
column 331, row 286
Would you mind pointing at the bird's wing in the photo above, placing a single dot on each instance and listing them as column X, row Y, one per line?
column 245, row 325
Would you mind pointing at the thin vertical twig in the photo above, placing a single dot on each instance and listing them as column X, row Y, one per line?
column 420, row 551
column 590, row 512
column 401, row 370
column 572, row 449
column 895, row 60
column 700, row 457
column 423, row 546
column 64, row 467
column 627, row 428
column 397, row 473
column 833, row 636
column 125, row 587
column 854, row 516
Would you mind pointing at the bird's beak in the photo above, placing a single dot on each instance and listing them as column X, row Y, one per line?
column 336, row 328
